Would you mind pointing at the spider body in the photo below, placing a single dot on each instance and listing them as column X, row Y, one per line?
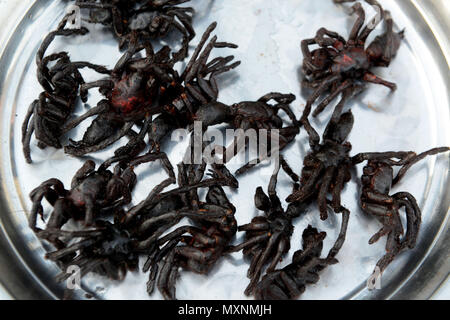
column 151, row 20
column 267, row 237
column 105, row 250
column 339, row 64
column 91, row 191
column 377, row 201
column 326, row 169
column 196, row 246
column 56, row 104
column 141, row 87
column 291, row 281
column 256, row 115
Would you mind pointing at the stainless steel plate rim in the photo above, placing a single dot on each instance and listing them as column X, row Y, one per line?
column 24, row 279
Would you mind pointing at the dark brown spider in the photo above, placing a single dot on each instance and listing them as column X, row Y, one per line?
column 377, row 181
column 151, row 20
column 93, row 193
column 338, row 65
column 327, row 167
column 194, row 247
column 267, row 238
column 290, row 282
column 252, row 115
column 105, row 250
column 141, row 87
column 61, row 83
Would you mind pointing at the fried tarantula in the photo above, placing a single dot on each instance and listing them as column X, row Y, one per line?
column 196, row 246
column 290, row 282
column 141, row 87
column 105, row 250
column 151, row 20
column 338, row 65
column 93, row 193
column 377, row 181
column 326, row 169
column 61, row 83
column 252, row 115
column 268, row 237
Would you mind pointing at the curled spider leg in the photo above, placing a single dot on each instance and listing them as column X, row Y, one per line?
column 358, row 9
column 416, row 159
column 83, row 150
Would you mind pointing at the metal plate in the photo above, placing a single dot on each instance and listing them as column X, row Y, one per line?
column 415, row 117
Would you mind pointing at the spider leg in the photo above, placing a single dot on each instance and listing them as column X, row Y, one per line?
column 308, row 64
column 342, row 87
column 153, row 157
column 38, row 194
column 308, row 189
column 370, row 77
column 291, row 286
column 56, row 255
column 254, row 226
column 403, row 156
column 322, row 196
column 254, row 262
column 85, row 87
column 288, row 170
column 154, row 267
column 257, row 239
column 282, row 246
column 27, row 132
column 198, row 50
column 100, row 108
column 373, row 23
column 81, row 151
column 280, row 98
column 164, row 279
column 90, row 207
column 339, row 185
column 358, row 9
column 324, row 86
column 416, row 159
column 273, row 240
column 413, row 214
column 342, row 234
column 327, row 42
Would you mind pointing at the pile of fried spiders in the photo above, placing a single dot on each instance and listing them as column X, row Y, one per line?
column 187, row 221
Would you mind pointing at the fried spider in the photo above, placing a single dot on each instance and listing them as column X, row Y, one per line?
column 105, row 250
column 290, row 282
column 90, row 191
column 93, row 193
column 267, row 238
column 61, row 83
column 326, row 169
column 141, row 87
column 338, row 65
column 252, row 115
column 151, row 20
column 194, row 247
column 377, row 181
